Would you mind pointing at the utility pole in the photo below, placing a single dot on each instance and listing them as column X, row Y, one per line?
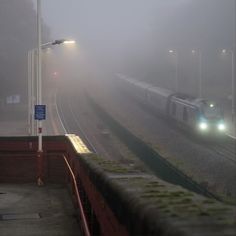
column 233, row 73
column 200, row 73
column 39, row 97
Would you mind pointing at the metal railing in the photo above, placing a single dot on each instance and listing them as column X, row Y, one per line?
column 84, row 220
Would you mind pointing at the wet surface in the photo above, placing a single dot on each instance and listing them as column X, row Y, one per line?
column 26, row 209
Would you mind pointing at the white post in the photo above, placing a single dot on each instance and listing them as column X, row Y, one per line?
column 37, row 90
column 200, row 74
column 175, row 54
column 39, row 73
column 29, row 90
column 33, row 98
column 233, row 86
column 176, row 73
column 40, row 149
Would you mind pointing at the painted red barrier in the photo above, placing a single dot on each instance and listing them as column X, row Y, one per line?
column 78, row 198
column 111, row 198
column 21, row 163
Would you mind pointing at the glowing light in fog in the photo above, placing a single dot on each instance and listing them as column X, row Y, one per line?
column 223, row 51
column 221, row 127
column 69, row 42
column 203, row 126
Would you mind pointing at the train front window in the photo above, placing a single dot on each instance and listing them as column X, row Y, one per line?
column 212, row 112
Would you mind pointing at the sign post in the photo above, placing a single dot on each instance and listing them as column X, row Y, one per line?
column 40, row 114
column 39, row 96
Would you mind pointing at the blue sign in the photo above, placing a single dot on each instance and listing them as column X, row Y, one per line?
column 40, row 112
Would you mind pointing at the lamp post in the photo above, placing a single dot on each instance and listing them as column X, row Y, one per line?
column 199, row 53
column 39, row 97
column 224, row 52
column 31, row 90
column 32, row 84
column 174, row 52
column 39, row 90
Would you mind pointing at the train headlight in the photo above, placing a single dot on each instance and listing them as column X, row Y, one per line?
column 221, row 127
column 203, row 126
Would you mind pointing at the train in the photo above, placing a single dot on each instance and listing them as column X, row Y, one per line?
column 198, row 114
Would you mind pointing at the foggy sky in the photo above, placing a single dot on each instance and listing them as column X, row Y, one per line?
column 114, row 27
column 112, row 20
column 137, row 34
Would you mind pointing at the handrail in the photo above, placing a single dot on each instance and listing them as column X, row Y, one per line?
column 84, row 221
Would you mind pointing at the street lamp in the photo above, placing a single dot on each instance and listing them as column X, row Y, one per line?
column 174, row 52
column 39, row 90
column 31, row 82
column 31, row 86
column 39, row 96
column 69, row 42
column 225, row 52
column 199, row 53
column 58, row 41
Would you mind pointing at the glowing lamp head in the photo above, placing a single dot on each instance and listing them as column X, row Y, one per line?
column 223, row 51
column 211, row 105
column 69, row 42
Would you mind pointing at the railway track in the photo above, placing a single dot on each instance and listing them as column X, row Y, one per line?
column 67, row 113
column 225, row 147
column 70, row 121
column 159, row 165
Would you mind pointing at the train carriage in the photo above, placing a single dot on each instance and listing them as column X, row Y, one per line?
column 159, row 98
column 195, row 113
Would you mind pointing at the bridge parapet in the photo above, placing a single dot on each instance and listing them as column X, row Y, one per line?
column 118, row 199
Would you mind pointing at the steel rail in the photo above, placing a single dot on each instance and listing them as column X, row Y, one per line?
column 63, row 120
column 162, row 168
column 57, row 110
column 84, row 221
column 80, row 128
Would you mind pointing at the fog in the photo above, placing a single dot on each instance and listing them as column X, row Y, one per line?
column 185, row 46
column 134, row 37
